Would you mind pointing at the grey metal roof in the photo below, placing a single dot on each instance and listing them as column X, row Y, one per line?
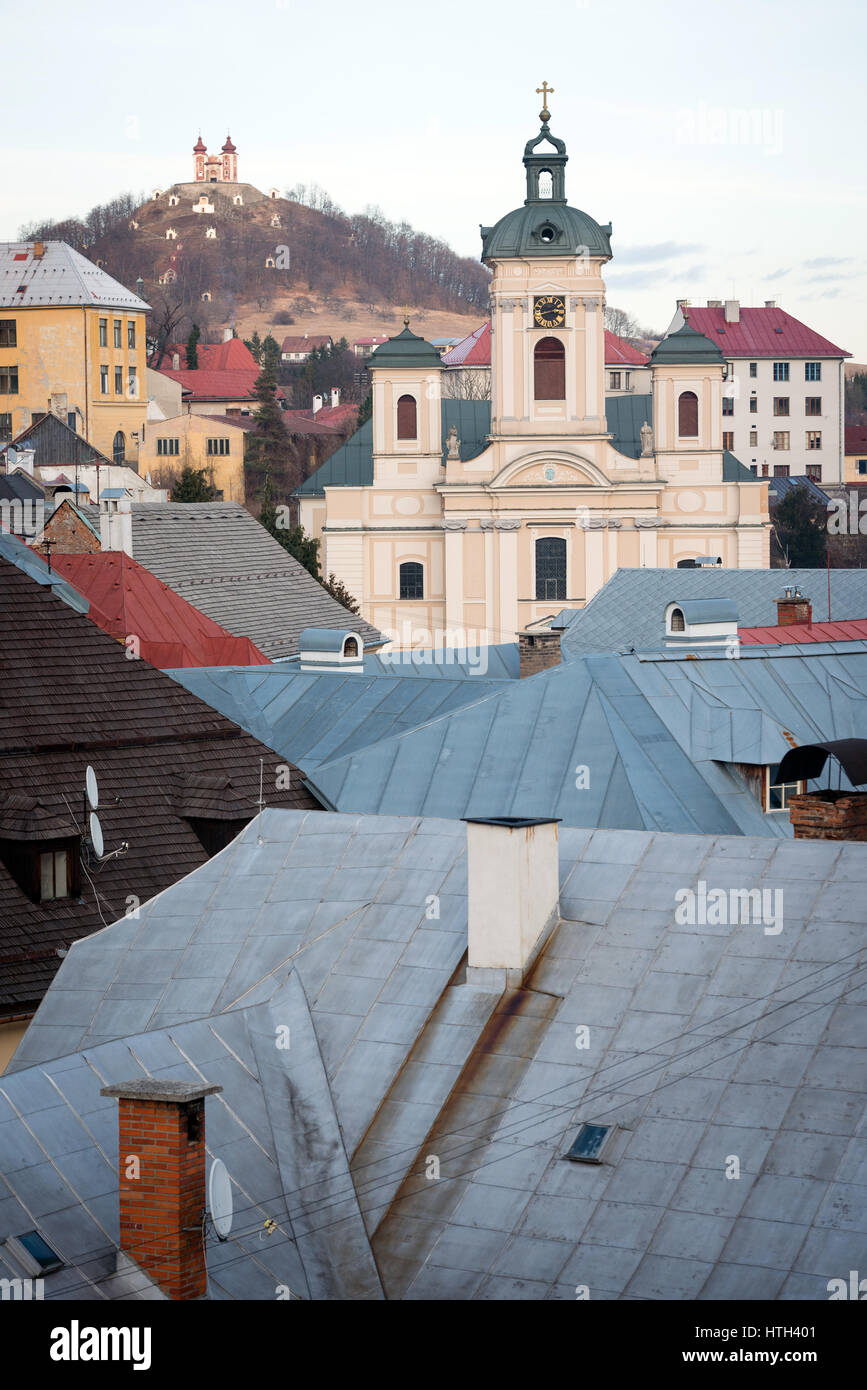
column 500, row 661
column 708, row 610
column 59, row 276
column 629, row 611
column 779, row 487
column 704, row 1041
column 311, row 718
column 222, row 561
column 657, row 739
column 20, row 555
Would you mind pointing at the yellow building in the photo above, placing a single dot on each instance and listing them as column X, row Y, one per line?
column 855, row 460
column 214, row 443
column 72, row 340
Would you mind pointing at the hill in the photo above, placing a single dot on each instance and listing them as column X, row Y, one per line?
column 252, row 260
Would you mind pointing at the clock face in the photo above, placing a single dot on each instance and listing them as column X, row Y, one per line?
column 549, row 310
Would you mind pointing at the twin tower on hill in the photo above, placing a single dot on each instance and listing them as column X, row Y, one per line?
column 215, row 168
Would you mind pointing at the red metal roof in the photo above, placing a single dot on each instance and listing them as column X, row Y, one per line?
column 856, row 439
column 206, row 385
column 756, row 334
column 619, row 353
column 127, row 600
column 472, row 351
column 854, row 630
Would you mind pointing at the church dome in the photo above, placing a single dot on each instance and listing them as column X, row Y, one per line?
column 685, row 347
column 200, row 147
column 229, row 148
column 406, row 350
column 546, row 225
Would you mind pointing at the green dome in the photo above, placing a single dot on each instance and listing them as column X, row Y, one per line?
column 685, row 347
column 406, row 350
column 546, row 225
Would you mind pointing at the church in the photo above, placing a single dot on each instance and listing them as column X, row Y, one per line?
column 215, row 168
column 458, row 522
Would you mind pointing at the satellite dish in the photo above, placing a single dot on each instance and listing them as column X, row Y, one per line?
column 220, row 1198
column 92, row 788
column 96, row 835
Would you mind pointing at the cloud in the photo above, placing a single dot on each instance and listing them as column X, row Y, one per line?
column 822, row 262
column 834, row 276
column 658, row 251
column 777, row 274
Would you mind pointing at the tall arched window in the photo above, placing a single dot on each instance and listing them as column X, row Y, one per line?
column 550, row 370
column 687, row 415
column 677, row 622
column 411, row 580
column 551, row 568
column 407, row 418
column 546, row 183
column 118, row 447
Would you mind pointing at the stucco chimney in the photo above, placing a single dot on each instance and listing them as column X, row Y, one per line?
column 58, row 404
column 770, row 304
column 538, row 650
column 512, row 896
column 115, row 526
column 161, row 1166
column 793, row 608
column 317, row 404
column 227, row 335
column 176, row 361
column 714, row 303
column 733, row 311
column 335, row 397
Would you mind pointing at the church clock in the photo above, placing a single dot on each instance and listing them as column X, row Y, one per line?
column 549, row 310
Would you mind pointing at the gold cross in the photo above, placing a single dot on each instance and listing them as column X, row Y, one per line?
column 544, row 92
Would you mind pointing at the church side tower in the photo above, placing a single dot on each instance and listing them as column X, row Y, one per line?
column 200, row 154
column 547, row 301
column 230, row 162
column 215, row 168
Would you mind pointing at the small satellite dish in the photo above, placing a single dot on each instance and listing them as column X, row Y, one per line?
column 96, row 835
column 220, row 1198
column 92, row 788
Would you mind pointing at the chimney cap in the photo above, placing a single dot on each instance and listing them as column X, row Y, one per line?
column 151, row 1088
column 512, row 822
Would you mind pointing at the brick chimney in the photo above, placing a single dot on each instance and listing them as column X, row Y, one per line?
column 829, row 815
column 538, row 650
column 512, row 896
column 793, row 608
column 161, row 1164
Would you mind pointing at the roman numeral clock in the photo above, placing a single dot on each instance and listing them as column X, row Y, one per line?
column 549, row 310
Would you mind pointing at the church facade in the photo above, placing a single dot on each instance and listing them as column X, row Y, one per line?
column 215, row 168
column 473, row 519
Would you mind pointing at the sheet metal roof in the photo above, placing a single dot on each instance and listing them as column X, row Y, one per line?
column 704, row 1040
column 755, row 335
column 59, row 276
column 802, row 633
column 629, row 611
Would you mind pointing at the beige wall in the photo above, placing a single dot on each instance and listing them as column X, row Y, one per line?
column 10, row 1036
column 192, row 432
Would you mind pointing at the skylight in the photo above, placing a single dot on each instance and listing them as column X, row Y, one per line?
column 590, row 1143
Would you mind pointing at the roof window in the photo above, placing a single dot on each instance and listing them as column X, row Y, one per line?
column 591, row 1143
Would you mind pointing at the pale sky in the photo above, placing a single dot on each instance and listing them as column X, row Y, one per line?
column 724, row 142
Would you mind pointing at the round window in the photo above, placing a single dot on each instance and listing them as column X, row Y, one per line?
column 547, row 233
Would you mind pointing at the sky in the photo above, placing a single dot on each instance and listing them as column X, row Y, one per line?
column 724, row 143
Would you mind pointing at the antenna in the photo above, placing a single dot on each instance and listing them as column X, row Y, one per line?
column 91, row 788
column 96, row 835
column 220, row 1198
column 259, row 840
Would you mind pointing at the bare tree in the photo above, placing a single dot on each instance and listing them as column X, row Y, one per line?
column 167, row 314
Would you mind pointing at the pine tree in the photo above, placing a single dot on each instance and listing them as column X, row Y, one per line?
column 365, row 410
column 193, row 486
column 193, row 348
column 800, row 528
column 271, row 355
column 255, row 346
column 268, row 447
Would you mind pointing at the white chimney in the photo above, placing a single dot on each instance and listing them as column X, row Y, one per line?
column 733, row 311
column 335, row 397
column 317, row 404
column 714, row 303
column 513, row 896
column 176, row 361
column 58, row 404
column 115, row 525
column 770, row 304
column 227, row 335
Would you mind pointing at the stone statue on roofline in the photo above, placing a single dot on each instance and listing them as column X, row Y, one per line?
column 646, row 440
column 453, row 444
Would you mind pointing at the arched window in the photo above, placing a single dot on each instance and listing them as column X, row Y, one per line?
column 546, row 183
column 118, row 447
column 551, row 568
column 411, row 580
column 687, row 415
column 550, row 370
column 407, row 418
column 350, row 647
column 677, row 623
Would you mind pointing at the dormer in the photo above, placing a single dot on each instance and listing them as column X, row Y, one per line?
column 702, row 623
column 331, row 650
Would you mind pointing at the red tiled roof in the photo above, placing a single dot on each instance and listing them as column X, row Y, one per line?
column 619, row 353
column 854, row 630
column 206, row 385
column 231, row 356
column 756, row 334
column 241, row 422
column 338, row 415
column 126, row 599
column 306, row 343
column 304, row 422
column 363, row 342
column 472, row 351
column 856, row 439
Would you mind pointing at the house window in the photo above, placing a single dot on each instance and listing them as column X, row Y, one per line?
column 130, row 334
column 813, row 405
column 862, row 463
column 728, row 439
column 814, row 472
column 8, row 381
column 777, row 793
column 814, row 439
column 118, row 447
column 615, row 381
column 132, row 381
column 103, row 333
column 5, row 425
column 118, row 381
column 754, row 439
column 781, row 439
column 549, row 370
column 754, row 405
column 551, row 568
column 218, row 446
column 54, row 875
column 781, row 405
column 8, row 333
column 687, row 415
column 781, row 371
column 103, row 380
column 626, row 378
column 728, row 405
column 812, row 371
column 411, row 580
column 407, row 418
column 677, row 623
column 118, row 325
column 754, row 369
column 165, row 447
column 781, row 470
